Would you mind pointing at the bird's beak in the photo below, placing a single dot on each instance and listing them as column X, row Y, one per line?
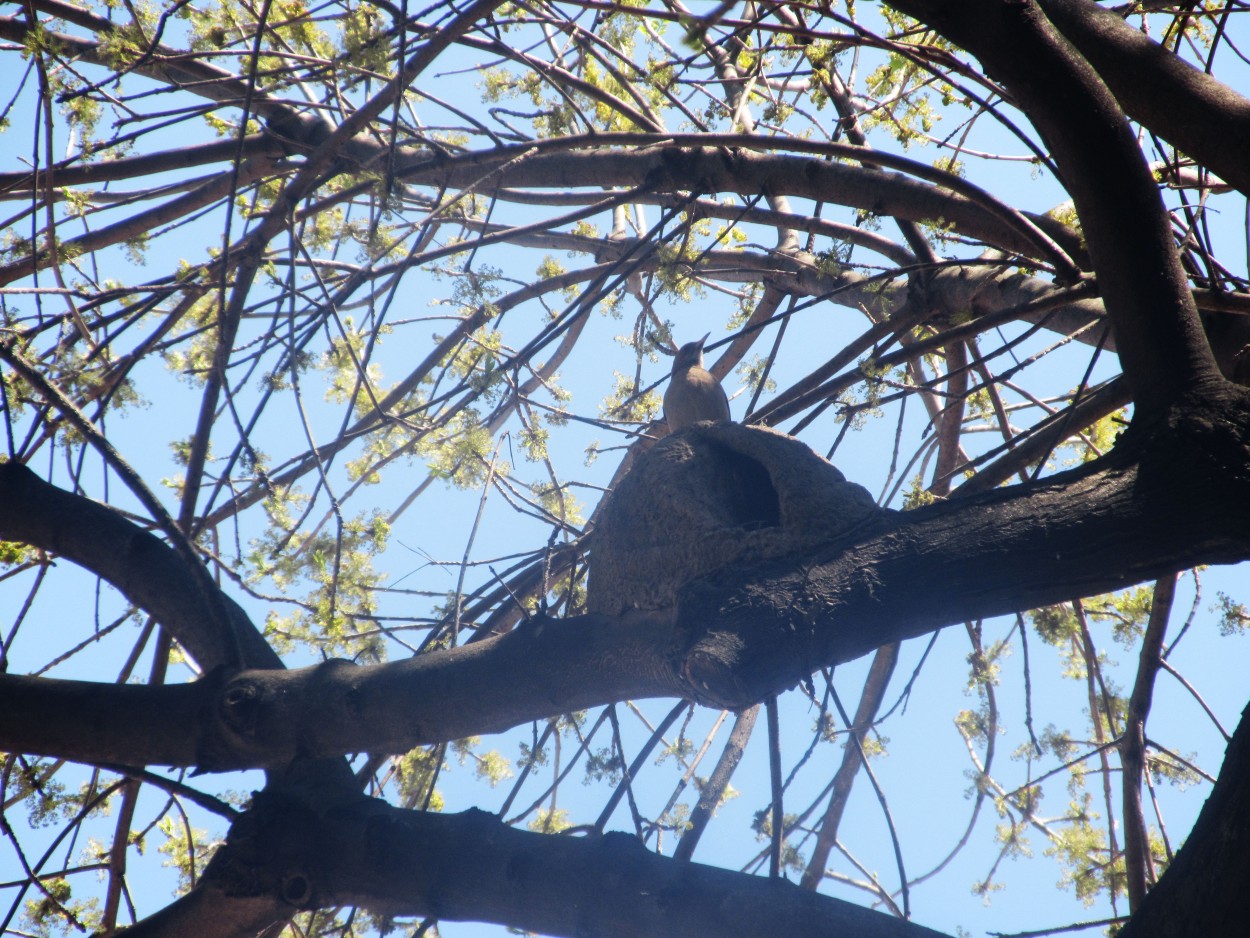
column 702, row 340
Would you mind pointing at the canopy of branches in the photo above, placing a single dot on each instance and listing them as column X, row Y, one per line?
column 329, row 331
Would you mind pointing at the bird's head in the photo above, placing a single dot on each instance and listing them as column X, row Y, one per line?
column 690, row 355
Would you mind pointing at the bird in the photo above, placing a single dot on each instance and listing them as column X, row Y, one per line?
column 693, row 392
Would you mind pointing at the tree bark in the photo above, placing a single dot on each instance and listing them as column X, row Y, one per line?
column 1203, row 891
column 1199, row 115
column 471, row 866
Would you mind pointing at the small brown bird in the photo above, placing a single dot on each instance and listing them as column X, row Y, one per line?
column 693, row 393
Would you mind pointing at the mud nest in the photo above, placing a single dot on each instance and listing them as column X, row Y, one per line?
column 710, row 496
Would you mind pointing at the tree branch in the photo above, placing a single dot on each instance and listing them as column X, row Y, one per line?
column 1159, row 337
column 1193, row 895
column 1138, row 868
column 146, row 570
column 469, row 866
column 1202, row 117
column 686, row 161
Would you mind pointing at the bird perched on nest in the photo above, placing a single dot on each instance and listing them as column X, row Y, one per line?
column 693, row 392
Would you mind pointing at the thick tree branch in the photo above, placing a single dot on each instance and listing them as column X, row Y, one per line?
column 267, row 718
column 1159, row 337
column 127, row 724
column 1201, row 116
column 469, row 866
column 218, row 910
column 1193, row 895
column 1084, row 532
column 142, row 566
column 684, row 162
